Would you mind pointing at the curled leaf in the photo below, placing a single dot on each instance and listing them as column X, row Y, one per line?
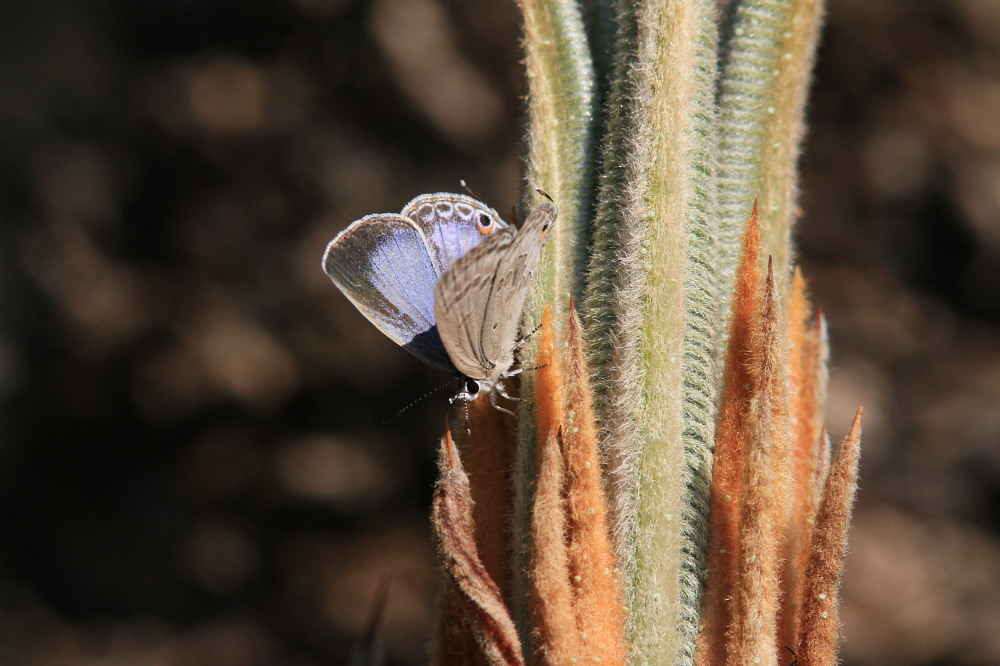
column 558, row 641
column 473, row 598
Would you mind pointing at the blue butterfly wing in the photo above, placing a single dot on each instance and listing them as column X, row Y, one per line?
column 453, row 224
column 386, row 267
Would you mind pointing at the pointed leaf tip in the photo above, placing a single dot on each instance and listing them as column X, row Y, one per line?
column 819, row 631
column 598, row 602
column 741, row 375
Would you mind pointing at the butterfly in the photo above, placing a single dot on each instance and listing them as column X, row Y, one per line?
column 446, row 279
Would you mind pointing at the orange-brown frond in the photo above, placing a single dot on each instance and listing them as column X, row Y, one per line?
column 598, row 597
column 472, row 590
column 807, row 365
column 820, row 366
column 774, row 377
column 764, row 496
column 819, row 630
column 803, row 357
column 487, row 453
column 802, row 351
column 822, row 469
column 728, row 462
column 737, row 379
column 453, row 641
column 548, row 381
column 555, row 630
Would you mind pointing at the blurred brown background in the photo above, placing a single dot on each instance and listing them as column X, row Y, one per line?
column 191, row 463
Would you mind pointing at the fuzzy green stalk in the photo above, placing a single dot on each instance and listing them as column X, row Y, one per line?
column 600, row 20
column 561, row 144
column 652, row 297
column 685, row 151
column 766, row 68
column 562, row 107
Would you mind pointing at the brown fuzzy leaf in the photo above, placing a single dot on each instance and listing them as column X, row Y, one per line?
column 548, row 381
column 804, row 394
column 764, row 496
column 822, row 469
column 558, row 640
column 453, row 641
column 820, row 365
column 819, row 631
column 598, row 598
column 728, row 463
column 807, row 377
column 473, row 591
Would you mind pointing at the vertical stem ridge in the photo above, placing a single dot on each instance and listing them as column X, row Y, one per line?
column 561, row 127
column 652, row 308
column 598, row 309
column 561, row 110
column 701, row 325
column 766, row 69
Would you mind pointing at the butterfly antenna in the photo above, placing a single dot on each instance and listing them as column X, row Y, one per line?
column 544, row 193
column 468, row 190
column 418, row 400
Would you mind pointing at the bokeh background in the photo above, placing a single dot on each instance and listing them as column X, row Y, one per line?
column 192, row 466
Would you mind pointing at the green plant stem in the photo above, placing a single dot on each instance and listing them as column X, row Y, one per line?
column 652, row 306
column 685, row 152
column 562, row 112
column 766, row 68
column 562, row 107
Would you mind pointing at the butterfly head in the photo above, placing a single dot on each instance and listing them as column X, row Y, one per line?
column 474, row 388
column 546, row 212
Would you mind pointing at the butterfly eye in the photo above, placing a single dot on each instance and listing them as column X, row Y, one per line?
column 485, row 224
column 471, row 386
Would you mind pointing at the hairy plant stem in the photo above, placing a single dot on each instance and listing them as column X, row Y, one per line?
column 767, row 61
column 562, row 111
column 685, row 151
column 652, row 303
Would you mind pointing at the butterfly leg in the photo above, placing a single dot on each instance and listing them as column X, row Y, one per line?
column 493, row 401
column 516, row 371
column 466, row 397
column 513, row 398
